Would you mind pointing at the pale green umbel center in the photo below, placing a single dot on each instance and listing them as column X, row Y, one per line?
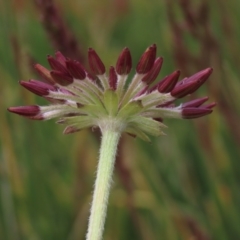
column 92, row 105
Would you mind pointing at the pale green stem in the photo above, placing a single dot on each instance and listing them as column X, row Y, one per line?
column 106, row 162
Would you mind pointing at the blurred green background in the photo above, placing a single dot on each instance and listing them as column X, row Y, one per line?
column 185, row 185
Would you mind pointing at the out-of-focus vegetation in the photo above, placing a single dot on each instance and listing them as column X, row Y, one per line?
column 185, row 185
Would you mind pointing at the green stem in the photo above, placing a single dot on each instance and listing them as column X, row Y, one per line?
column 106, row 162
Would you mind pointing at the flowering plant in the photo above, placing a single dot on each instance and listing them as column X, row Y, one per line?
column 82, row 99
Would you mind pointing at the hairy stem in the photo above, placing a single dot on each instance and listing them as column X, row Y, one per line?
column 106, row 162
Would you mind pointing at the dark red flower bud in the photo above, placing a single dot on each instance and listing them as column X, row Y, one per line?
column 147, row 60
column 191, row 112
column 124, row 62
column 37, row 87
column 195, row 103
column 26, row 111
column 60, row 58
column 169, row 82
column 183, row 90
column 95, row 63
column 45, row 73
column 76, row 69
column 181, row 82
column 56, row 65
column 61, row 78
column 190, row 86
column 210, row 105
column 153, row 73
column 200, row 76
column 112, row 78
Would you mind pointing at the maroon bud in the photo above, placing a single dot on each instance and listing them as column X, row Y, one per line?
column 45, row 73
column 95, row 63
column 124, row 62
column 181, row 82
column 169, row 82
column 183, row 90
column 187, row 87
column 37, row 87
column 195, row 103
column 200, row 76
column 76, row 69
column 26, row 111
column 61, row 78
column 191, row 112
column 147, row 60
column 60, row 58
column 56, row 65
column 153, row 73
column 112, row 78
column 210, row 105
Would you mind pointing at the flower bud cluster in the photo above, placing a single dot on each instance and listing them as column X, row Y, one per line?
column 81, row 99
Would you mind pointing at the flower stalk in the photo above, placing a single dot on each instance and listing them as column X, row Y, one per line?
column 108, row 150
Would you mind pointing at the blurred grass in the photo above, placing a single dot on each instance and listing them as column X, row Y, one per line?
column 182, row 186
